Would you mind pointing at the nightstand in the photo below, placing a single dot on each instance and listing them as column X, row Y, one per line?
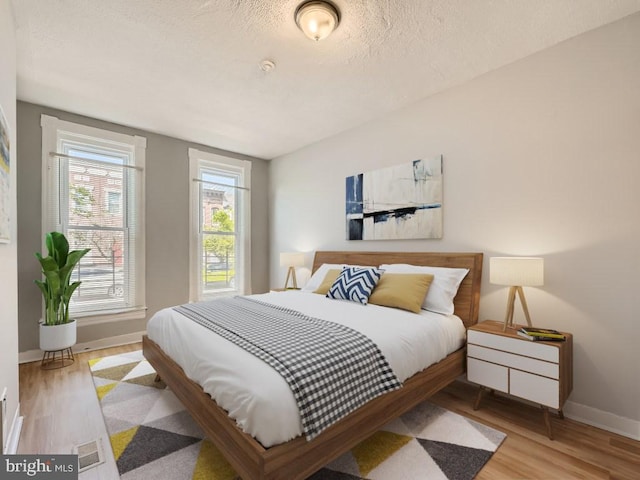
column 541, row 372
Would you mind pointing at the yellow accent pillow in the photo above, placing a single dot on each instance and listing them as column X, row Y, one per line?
column 331, row 276
column 402, row 290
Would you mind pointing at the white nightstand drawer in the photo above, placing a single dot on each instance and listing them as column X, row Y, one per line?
column 488, row 374
column 532, row 387
column 514, row 345
column 527, row 364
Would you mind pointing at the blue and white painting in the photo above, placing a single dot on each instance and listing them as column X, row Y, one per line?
column 400, row 202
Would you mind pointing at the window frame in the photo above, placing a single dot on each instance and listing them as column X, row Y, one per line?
column 54, row 132
column 242, row 168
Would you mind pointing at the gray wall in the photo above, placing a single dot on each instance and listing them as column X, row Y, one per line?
column 167, row 223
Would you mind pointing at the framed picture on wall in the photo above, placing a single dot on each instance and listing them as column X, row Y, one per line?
column 5, row 179
column 393, row 203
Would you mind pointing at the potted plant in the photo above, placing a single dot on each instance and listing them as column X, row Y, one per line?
column 57, row 330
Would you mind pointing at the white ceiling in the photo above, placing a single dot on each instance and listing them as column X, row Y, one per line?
column 190, row 68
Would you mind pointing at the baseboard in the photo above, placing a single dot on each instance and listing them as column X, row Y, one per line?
column 601, row 419
column 591, row 416
column 36, row 355
column 14, row 433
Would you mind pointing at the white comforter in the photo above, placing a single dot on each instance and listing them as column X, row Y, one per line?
column 256, row 396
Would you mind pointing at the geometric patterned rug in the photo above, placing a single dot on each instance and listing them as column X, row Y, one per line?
column 153, row 436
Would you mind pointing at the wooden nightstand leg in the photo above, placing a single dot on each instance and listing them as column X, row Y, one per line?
column 547, row 422
column 561, row 414
column 476, row 404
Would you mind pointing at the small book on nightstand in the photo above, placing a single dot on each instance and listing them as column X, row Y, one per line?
column 541, row 334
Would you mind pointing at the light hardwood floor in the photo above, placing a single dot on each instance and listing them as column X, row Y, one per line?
column 61, row 410
column 578, row 451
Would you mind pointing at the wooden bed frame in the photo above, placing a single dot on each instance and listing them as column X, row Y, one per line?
column 299, row 458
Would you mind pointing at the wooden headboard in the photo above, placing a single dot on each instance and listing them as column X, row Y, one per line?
column 466, row 302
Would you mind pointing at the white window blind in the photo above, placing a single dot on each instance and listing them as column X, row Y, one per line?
column 220, row 238
column 94, row 194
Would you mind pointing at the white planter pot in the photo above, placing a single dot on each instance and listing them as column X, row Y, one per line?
column 57, row 337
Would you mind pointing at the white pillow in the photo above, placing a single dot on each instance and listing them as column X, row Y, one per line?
column 444, row 287
column 316, row 279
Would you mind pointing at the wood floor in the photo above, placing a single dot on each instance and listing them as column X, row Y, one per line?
column 578, row 451
column 61, row 410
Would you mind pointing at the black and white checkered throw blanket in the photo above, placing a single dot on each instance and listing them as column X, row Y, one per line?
column 331, row 369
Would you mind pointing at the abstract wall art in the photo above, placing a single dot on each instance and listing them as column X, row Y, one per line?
column 400, row 202
column 5, row 178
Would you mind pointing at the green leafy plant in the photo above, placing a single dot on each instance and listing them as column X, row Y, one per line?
column 56, row 268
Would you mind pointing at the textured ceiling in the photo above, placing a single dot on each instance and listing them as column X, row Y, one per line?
column 190, row 68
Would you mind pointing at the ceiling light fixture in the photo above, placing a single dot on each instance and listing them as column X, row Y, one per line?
column 317, row 19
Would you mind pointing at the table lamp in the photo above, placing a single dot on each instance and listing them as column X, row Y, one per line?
column 291, row 260
column 516, row 272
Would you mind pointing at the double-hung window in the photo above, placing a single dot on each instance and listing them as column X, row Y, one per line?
column 93, row 192
column 220, row 238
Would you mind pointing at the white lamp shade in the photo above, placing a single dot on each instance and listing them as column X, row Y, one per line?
column 292, row 259
column 516, row 271
column 317, row 19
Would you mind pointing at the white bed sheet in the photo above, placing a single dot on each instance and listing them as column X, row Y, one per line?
column 256, row 396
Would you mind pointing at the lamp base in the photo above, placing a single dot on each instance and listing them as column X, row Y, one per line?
column 291, row 274
column 508, row 319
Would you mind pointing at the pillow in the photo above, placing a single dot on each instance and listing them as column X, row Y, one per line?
column 329, row 278
column 443, row 288
column 318, row 276
column 402, row 290
column 355, row 284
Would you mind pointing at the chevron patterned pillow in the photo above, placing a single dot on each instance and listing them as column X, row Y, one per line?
column 355, row 284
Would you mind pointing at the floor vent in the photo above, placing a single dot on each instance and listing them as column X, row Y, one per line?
column 89, row 455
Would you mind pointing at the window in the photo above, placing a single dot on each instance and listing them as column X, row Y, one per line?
column 220, row 240
column 114, row 202
column 93, row 192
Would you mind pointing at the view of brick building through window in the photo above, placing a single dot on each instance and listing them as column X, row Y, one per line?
column 218, row 228
column 97, row 220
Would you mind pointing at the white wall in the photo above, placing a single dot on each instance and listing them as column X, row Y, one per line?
column 8, row 253
column 540, row 158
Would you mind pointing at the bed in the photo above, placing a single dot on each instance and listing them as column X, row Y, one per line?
column 298, row 458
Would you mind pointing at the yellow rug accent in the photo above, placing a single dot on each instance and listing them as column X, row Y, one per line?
column 376, row 449
column 120, row 440
column 92, row 362
column 211, row 465
column 104, row 389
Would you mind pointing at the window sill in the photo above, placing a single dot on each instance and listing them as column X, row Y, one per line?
column 85, row 319
column 231, row 292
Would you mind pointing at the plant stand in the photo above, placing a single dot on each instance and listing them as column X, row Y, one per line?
column 53, row 359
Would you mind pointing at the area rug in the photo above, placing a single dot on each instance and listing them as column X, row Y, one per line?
column 154, row 437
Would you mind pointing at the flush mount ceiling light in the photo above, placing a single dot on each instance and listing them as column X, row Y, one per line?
column 317, row 19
